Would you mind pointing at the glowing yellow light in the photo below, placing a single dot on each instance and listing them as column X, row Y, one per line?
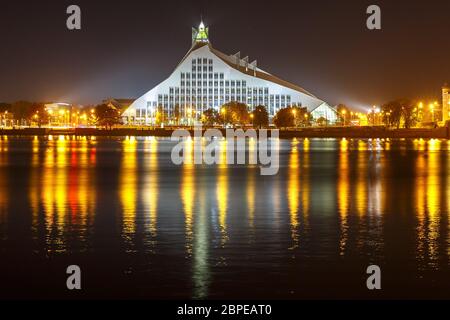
column 188, row 194
column 293, row 195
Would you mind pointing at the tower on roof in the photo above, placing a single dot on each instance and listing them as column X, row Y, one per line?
column 201, row 34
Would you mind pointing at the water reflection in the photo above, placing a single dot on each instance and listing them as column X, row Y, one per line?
column 4, row 192
column 305, row 189
column 294, row 193
column 61, row 185
column 343, row 194
column 340, row 200
column 298, row 190
column 251, row 191
column 201, row 251
column 150, row 189
column 128, row 191
column 428, row 204
column 222, row 192
column 362, row 182
column 188, row 192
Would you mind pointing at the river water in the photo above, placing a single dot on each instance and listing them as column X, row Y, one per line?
column 141, row 227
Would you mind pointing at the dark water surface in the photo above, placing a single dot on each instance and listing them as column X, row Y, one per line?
column 141, row 227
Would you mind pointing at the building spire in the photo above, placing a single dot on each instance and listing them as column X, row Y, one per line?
column 201, row 34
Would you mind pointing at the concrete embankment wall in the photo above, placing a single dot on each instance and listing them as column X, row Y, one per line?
column 330, row 132
column 367, row 132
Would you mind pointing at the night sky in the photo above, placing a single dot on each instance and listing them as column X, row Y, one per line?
column 127, row 47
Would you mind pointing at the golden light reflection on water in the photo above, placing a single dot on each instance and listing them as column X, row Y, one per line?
column 428, row 203
column 277, row 192
column 420, row 189
column 298, row 190
column 150, row 192
column 305, row 189
column 361, row 184
column 4, row 193
column 251, row 188
column 61, row 181
column 222, row 192
column 62, row 194
column 201, row 250
column 448, row 202
column 294, row 193
column 433, row 203
column 188, row 192
column 251, row 200
column 343, row 194
column 419, row 144
column 54, row 194
column 196, row 217
column 128, row 189
column 34, row 185
column 82, row 197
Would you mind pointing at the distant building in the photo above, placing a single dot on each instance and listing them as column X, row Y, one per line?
column 207, row 78
column 57, row 106
column 445, row 103
column 59, row 113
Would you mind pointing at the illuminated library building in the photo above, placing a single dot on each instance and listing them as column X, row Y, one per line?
column 207, row 78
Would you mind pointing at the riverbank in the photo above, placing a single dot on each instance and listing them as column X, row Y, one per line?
column 328, row 132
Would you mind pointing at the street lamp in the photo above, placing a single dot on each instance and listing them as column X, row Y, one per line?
column 431, row 106
column 294, row 112
column 344, row 112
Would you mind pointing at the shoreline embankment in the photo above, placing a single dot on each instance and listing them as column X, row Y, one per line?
column 323, row 132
